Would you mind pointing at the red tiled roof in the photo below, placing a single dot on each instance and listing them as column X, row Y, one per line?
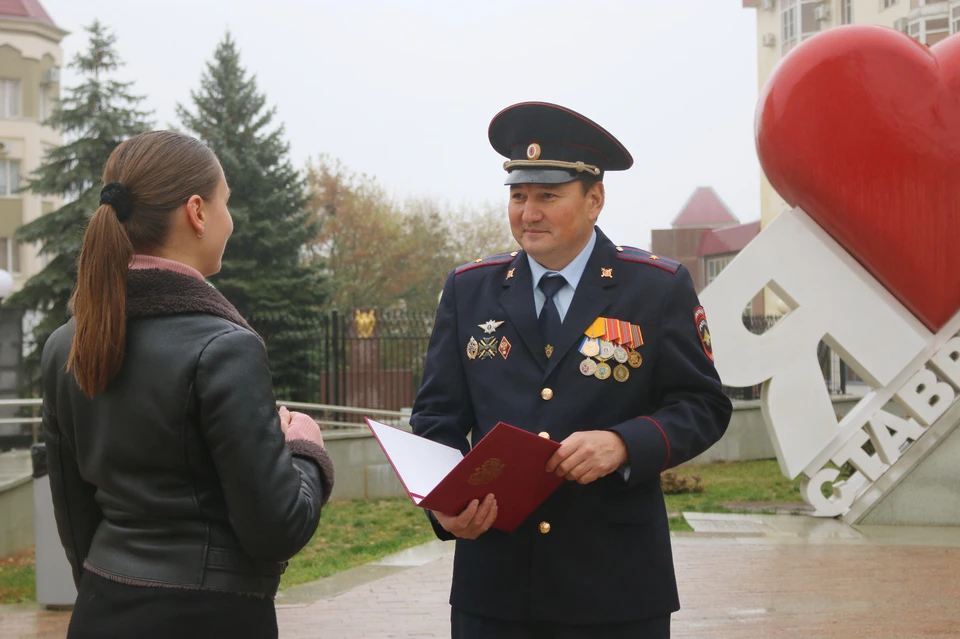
column 25, row 9
column 747, row 4
column 704, row 208
column 728, row 239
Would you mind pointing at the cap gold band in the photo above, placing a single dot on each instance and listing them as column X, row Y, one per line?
column 579, row 167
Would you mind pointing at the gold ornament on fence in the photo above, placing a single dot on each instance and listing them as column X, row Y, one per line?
column 365, row 322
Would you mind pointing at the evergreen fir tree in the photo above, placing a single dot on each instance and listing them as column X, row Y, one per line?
column 93, row 118
column 264, row 274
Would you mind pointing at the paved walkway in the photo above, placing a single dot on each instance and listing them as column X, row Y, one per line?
column 744, row 577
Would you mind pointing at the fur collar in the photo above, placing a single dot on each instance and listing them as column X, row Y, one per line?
column 152, row 292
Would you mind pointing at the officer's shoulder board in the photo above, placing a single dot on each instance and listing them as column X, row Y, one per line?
column 499, row 258
column 631, row 254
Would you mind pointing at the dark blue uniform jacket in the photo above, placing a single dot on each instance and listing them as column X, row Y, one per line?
column 607, row 556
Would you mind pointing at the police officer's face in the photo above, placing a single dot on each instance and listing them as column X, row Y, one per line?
column 553, row 222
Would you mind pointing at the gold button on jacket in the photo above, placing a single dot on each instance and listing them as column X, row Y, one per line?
column 544, row 527
column 547, row 394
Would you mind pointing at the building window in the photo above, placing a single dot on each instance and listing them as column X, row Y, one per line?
column 932, row 29
column 9, row 98
column 798, row 20
column 10, row 255
column 788, row 21
column 955, row 17
column 809, row 24
column 9, row 177
column 43, row 104
column 886, row 4
column 715, row 265
column 846, row 11
column 936, row 30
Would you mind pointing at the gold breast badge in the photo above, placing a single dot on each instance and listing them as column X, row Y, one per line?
column 621, row 373
column 603, row 371
column 472, row 349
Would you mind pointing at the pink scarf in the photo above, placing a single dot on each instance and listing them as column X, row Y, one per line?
column 141, row 262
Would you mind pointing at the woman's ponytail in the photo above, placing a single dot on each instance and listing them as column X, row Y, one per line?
column 100, row 300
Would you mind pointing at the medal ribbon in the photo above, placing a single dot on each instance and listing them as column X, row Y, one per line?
column 616, row 331
column 624, row 328
column 596, row 329
column 637, row 336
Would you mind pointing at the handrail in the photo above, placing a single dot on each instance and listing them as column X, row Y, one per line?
column 329, row 408
column 33, row 401
column 378, row 413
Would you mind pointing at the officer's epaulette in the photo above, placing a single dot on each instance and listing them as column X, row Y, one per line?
column 499, row 258
column 631, row 254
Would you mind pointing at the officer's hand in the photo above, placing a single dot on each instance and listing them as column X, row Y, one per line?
column 588, row 455
column 475, row 519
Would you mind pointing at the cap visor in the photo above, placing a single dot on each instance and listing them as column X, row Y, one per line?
column 540, row 176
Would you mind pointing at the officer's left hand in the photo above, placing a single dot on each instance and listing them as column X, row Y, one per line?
column 588, row 455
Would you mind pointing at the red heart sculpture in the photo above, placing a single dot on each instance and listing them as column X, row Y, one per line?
column 860, row 127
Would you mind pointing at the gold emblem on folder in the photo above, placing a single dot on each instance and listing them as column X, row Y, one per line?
column 487, row 472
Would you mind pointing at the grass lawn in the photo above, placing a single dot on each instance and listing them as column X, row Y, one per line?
column 753, row 481
column 355, row 532
column 358, row 531
column 17, row 582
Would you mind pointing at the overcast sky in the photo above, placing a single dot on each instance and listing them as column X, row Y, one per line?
column 404, row 91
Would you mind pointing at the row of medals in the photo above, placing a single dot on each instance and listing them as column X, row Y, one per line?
column 604, row 350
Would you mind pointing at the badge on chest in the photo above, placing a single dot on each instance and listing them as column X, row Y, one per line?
column 610, row 346
column 489, row 346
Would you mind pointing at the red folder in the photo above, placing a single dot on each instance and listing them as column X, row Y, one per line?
column 508, row 462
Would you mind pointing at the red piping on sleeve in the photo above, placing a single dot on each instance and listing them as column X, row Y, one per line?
column 664, row 439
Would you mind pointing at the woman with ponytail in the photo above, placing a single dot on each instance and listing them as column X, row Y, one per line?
column 180, row 491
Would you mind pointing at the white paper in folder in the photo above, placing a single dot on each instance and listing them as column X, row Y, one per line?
column 420, row 463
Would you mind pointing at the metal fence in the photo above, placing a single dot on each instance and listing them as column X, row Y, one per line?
column 372, row 358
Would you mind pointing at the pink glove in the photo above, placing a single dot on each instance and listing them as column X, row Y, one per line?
column 302, row 427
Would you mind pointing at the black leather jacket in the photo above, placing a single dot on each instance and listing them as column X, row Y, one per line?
column 178, row 474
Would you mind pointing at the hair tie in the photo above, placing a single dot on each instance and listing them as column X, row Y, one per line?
column 117, row 196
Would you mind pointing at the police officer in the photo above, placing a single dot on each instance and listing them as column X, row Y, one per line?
column 602, row 347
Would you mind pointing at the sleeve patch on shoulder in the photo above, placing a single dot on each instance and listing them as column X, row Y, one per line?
column 700, row 319
column 631, row 254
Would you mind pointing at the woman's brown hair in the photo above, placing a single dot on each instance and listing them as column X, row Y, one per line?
column 147, row 177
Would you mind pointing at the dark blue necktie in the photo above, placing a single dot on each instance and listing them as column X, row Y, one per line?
column 550, row 284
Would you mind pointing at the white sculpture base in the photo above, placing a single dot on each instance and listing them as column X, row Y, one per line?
column 920, row 489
